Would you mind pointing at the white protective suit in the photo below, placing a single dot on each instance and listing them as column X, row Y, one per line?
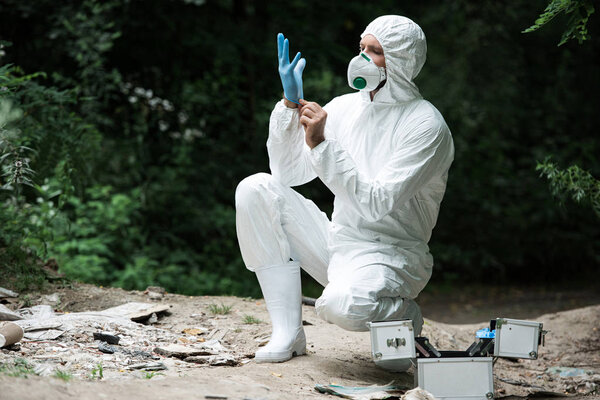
column 386, row 161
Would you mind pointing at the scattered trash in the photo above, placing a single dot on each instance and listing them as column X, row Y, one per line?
column 106, row 348
column 106, row 337
column 6, row 314
column 40, row 312
column 418, row 394
column 568, row 371
column 154, row 366
column 49, row 334
column 4, row 293
column 194, row 331
column 368, row 392
column 153, row 319
column 214, row 360
column 43, row 369
column 136, row 311
column 181, row 351
column 10, row 334
column 276, row 374
column 51, row 299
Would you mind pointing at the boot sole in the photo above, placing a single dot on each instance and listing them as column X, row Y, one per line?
column 298, row 349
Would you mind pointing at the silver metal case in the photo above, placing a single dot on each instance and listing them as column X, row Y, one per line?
column 456, row 378
column 517, row 338
column 392, row 340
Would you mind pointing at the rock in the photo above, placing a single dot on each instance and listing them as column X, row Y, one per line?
column 107, row 337
column 156, row 289
column 51, row 299
column 106, row 348
column 49, row 334
column 136, row 311
column 40, row 312
column 155, row 366
column 155, row 296
column 194, row 331
column 7, row 293
column 31, row 325
column 214, row 360
column 180, row 351
column 153, row 319
column 6, row 314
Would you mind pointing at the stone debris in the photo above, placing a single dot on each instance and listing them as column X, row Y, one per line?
column 51, row 299
column 49, row 334
column 153, row 319
column 181, row 351
column 215, row 360
column 106, row 337
column 195, row 331
column 37, row 313
column 82, row 342
column 6, row 314
column 107, row 348
column 154, row 366
column 136, row 311
column 6, row 293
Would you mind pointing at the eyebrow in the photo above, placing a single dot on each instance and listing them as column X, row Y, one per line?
column 371, row 46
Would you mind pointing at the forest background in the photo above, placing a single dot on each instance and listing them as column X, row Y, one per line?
column 126, row 125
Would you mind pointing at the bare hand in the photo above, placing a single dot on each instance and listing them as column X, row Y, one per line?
column 312, row 118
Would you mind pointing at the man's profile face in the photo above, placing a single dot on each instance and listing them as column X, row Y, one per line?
column 373, row 49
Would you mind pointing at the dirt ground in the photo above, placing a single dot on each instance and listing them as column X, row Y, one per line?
column 334, row 356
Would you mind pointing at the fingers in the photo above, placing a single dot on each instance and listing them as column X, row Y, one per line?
column 305, row 121
column 315, row 107
column 307, row 112
column 280, row 38
column 286, row 51
column 295, row 61
column 300, row 67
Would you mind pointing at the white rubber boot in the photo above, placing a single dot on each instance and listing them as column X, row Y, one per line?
column 282, row 291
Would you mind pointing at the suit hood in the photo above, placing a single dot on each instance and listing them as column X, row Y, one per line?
column 405, row 50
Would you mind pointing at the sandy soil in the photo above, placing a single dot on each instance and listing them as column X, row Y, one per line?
column 334, row 355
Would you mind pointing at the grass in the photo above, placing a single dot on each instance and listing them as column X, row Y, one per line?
column 64, row 375
column 250, row 319
column 151, row 374
column 219, row 310
column 97, row 372
column 19, row 368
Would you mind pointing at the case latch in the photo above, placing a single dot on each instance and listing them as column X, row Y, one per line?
column 396, row 342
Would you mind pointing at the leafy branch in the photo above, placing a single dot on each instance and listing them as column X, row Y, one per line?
column 575, row 182
column 13, row 161
column 579, row 11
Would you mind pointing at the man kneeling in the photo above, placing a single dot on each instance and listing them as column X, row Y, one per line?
column 384, row 152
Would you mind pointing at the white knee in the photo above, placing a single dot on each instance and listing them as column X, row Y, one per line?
column 250, row 191
column 341, row 306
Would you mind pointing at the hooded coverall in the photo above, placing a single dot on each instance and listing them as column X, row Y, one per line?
column 386, row 161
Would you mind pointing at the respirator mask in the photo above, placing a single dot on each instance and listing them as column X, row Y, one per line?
column 363, row 74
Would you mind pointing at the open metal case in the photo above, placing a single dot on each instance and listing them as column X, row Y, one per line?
column 464, row 374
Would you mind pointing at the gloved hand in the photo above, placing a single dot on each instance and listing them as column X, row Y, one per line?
column 290, row 73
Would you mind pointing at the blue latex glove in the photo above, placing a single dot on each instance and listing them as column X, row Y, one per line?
column 290, row 73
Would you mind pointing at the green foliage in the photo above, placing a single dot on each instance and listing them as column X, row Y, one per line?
column 148, row 114
column 19, row 367
column 97, row 373
column 249, row 319
column 219, row 310
column 64, row 375
column 151, row 374
column 572, row 182
column 579, row 12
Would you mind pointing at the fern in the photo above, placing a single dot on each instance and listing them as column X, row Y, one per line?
column 579, row 12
